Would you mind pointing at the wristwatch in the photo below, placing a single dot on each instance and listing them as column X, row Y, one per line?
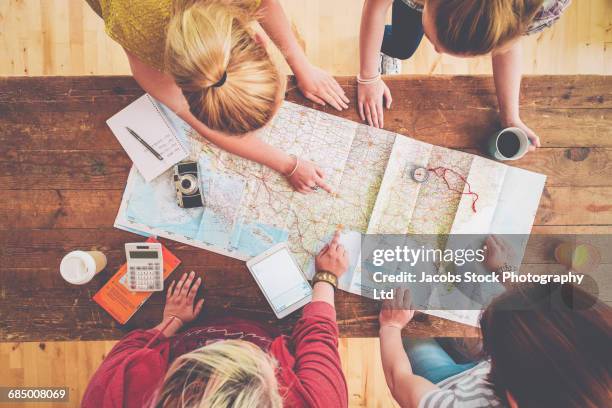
column 506, row 267
column 325, row 276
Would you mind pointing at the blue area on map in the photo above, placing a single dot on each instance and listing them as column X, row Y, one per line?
column 216, row 229
column 254, row 238
column 156, row 207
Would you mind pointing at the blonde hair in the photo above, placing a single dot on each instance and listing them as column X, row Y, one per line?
column 228, row 78
column 476, row 27
column 230, row 373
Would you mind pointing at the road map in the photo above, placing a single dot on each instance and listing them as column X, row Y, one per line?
column 249, row 208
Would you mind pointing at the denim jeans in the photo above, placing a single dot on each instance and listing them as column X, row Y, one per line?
column 428, row 359
column 403, row 36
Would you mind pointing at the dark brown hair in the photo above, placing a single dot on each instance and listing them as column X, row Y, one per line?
column 476, row 27
column 554, row 352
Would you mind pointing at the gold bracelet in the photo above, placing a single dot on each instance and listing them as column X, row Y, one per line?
column 325, row 276
column 297, row 164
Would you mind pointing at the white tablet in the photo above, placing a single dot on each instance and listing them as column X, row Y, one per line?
column 281, row 280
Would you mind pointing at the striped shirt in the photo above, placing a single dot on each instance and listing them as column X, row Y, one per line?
column 550, row 13
column 469, row 389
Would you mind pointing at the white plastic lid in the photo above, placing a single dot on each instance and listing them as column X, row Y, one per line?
column 78, row 267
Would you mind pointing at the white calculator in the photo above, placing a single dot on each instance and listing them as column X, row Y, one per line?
column 145, row 267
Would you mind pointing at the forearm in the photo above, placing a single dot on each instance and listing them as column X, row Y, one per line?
column 323, row 292
column 371, row 35
column 159, row 85
column 407, row 388
column 393, row 356
column 277, row 26
column 507, row 77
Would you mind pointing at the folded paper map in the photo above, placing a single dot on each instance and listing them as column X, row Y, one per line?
column 249, row 208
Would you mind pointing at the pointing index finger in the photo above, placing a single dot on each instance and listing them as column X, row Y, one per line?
column 336, row 238
column 321, row 183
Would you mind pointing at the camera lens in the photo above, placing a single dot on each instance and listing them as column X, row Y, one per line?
column 188, row 184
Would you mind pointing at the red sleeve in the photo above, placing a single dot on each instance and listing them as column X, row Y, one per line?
column 130, row 373
column 317, row 361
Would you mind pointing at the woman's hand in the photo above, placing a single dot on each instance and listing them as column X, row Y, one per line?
column 320, row 87
column 180, row 300
column 396, row 312
column 370, row 102
column 498, row 253
column 533, row 138
column 333, row 257
column 307, row 177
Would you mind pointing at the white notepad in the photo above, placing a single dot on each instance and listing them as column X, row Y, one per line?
column 145, row 116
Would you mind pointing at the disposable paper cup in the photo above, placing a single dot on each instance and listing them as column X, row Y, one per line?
column 79, row 267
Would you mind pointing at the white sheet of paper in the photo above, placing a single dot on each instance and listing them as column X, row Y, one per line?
column 145, row 118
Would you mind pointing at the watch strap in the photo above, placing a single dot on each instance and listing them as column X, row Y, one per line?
column 325, row 276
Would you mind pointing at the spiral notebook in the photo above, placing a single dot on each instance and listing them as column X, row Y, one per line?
column 146, row 117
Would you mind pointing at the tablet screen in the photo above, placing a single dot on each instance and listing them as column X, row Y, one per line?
column 281, row 279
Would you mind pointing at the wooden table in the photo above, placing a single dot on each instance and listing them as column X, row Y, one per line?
column 63, row 173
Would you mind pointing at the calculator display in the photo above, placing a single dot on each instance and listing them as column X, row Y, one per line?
column 144, row 254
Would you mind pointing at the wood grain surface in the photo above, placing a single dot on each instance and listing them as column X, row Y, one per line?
column 62, row 174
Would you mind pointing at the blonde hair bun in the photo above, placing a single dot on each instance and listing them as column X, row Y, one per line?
column 229, row 80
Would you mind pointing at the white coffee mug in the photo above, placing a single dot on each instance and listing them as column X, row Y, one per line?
column 519, row 148
column 79, row 267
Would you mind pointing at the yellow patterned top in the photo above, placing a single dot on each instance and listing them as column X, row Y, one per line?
column 140, row 26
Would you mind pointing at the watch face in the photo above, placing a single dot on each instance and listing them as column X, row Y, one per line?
column 420, row 174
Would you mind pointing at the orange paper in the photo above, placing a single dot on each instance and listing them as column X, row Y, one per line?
column 119, row 301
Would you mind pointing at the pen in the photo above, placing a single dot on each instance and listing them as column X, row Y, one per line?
column 145, row 144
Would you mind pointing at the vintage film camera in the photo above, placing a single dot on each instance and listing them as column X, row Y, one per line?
column 187, row 183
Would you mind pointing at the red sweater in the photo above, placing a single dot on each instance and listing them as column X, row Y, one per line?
column 309, row 373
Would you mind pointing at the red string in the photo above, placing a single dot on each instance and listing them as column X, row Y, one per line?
column 441, row 172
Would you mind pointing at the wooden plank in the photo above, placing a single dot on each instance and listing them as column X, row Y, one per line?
column 61, row 169
column 575, row 206
column 572, row 229
column 574, row 166
column 576, row 44
column 59, row 208
column 425, row 91
column 98, row 208
column 42, row 249
column 69, row 313
column 108, row 169
column 565, row 111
